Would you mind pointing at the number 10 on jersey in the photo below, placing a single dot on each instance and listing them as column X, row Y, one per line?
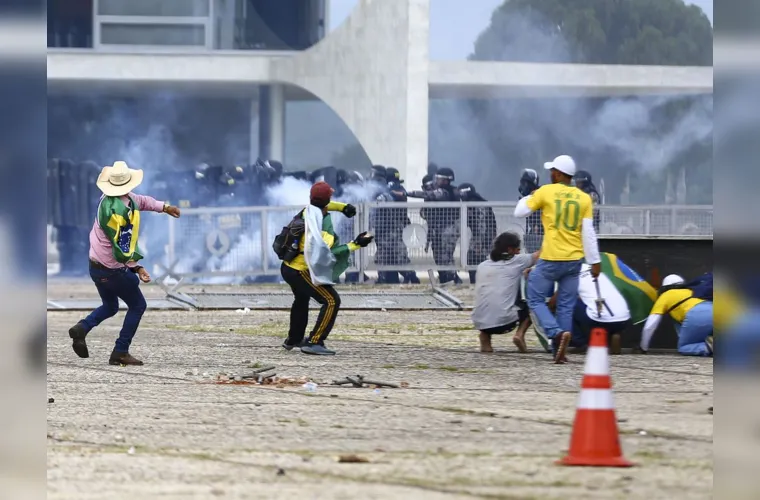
column 567, row 214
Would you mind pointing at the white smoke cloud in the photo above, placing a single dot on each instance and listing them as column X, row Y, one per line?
column 465, row 135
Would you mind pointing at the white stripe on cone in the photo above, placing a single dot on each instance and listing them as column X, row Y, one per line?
column 596, row 399
column 597, row 362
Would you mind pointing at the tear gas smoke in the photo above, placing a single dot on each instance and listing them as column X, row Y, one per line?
column 489, row 142
column 245, row 254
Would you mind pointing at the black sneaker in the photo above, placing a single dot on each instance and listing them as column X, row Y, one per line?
column 559, row 344
column 317, row 349
column 78, row 332
column 289, row 346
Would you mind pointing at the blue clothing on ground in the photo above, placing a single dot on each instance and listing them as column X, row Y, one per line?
column 696, row 327
column 739, row 347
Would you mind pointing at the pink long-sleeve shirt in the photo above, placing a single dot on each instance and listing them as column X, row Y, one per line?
column 101, row 250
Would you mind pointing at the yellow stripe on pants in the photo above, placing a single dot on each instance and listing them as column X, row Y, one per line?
column 328, row 313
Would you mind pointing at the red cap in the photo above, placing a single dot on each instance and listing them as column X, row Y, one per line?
column 321, row 191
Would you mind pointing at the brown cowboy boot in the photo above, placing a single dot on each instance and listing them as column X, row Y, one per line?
column 124, row 358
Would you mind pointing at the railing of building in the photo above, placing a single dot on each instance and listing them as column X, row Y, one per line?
column 229, row 242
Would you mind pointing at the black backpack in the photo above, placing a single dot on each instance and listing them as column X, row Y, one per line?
column 286, row 243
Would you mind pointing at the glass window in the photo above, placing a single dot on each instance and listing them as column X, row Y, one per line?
column 179, row 8
column 152, row 34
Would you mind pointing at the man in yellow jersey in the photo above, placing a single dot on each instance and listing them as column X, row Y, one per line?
column 569, row 236
column 298, row 273
column 693, row 317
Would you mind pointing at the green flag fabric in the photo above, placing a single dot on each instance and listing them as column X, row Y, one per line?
column 639, row 294
column 121, row 225
column 341, row 252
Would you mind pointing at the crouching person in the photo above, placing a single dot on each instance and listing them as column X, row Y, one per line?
column 498, row 306
column 608, row 310
column 693, row 317
column 114, row 257
column 317, row 264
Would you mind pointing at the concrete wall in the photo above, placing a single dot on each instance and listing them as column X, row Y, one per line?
column 653, row 259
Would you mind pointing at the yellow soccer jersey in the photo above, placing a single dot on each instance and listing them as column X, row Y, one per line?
column 563, row 209
column 678, row 301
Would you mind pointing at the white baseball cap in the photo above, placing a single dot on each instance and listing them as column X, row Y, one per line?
column 672, row 279
column 563, row 163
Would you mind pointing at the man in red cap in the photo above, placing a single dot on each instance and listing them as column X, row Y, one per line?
column 306, row 283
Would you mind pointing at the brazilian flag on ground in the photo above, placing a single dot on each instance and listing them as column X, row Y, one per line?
column 121, row 224
column 639, row 294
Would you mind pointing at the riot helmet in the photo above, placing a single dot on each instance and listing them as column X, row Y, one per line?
column 354, row 177
column 583, row 180
column 528, row 182
column 202, row 170
column 393, row 175
column 467, row 192
column 427, row 182
column 444, row 177
column 378, row 173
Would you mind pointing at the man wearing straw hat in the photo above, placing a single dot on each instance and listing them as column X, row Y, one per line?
column 114, row 257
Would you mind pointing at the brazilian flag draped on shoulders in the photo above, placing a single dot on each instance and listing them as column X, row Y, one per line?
column 639, row 294
column 121, row 224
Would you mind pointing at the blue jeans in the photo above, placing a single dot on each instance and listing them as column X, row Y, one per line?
column 696, row 327
column 541, row 284
column 740, row 343
column 112, row 285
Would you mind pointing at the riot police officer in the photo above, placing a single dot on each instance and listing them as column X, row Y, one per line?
column 389, row 235
column 443, row 223
column 534, row 230
column 584, row 182
column 483, row 230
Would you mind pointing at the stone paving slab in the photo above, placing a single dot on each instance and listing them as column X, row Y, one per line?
column 468, row 426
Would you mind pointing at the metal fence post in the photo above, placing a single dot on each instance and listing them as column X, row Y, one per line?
column 464, row 237
column 362, row 257
column 264, row 240
column 172, row 239
column 648, row 221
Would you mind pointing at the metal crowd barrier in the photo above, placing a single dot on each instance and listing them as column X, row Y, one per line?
column 221, row 243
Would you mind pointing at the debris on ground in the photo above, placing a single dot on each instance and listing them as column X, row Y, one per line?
column 352, row 459
column 360, row 381
column 257, row 377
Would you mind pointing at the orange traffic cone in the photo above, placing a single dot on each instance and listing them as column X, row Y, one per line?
column 595, row 440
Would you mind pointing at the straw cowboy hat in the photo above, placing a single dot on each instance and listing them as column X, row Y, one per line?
column 119, row 179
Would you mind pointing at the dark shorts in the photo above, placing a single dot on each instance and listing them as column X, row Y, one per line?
column 522, row 315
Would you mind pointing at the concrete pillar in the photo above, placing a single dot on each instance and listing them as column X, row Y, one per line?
column 271, row 112
column 373, row 72
column 224, row 13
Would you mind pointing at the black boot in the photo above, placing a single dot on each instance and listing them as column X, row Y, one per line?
column 78, row 333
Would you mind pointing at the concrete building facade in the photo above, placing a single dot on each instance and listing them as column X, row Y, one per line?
column 374, row 71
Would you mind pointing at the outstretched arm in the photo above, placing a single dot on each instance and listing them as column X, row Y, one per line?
column 653, row 321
